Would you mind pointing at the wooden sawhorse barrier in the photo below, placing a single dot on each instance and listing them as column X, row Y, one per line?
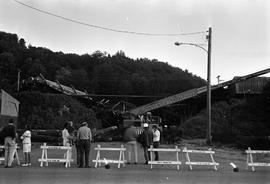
column 16, row 155
column 164, row 162
column 44, row 157
column 212, row 163
column 120, row 161
column 251, row 163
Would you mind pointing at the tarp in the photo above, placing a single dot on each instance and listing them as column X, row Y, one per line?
column 9, row 105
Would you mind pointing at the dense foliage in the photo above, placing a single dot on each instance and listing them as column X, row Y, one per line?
column 245, row 122
column 98, row 73
column 47, row 111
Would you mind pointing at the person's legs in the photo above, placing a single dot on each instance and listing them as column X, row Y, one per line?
column 25, row 157
column 10, row 147
column 25, row 154
column 87, row 151
column 149, row 154
column 156, row 145
column 145, row 154
column 29, row 158
column 11, row 154
column 135, row 151
column 77, row 153
column 128, row 145
column 81, row 153
column 6, row 151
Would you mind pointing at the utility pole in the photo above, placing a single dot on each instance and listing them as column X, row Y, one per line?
column 18, row 80
column 208, row 135
column 208, row 101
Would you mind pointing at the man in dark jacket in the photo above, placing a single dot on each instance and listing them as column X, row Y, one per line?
column 146, row 141
column 9, row 132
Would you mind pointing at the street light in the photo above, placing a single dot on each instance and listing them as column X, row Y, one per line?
column 193, row 44
column 208, row 51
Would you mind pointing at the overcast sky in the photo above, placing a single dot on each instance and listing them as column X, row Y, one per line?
column 241, row 28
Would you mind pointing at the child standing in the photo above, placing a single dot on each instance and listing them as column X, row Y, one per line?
column 26, row 140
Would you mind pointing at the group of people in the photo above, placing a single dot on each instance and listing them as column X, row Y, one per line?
column 147, row 139
column 81, row 139
column 9, row 135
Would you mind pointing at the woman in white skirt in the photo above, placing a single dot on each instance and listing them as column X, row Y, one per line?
column 26, row 140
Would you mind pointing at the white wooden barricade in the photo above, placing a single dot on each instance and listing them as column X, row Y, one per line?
column 212, row 163
column 16, row 155
column 251, row 163
column 120, row 161
column 164, row 162
column 44, row 157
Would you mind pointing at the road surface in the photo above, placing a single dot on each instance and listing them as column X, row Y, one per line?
column 57, row 174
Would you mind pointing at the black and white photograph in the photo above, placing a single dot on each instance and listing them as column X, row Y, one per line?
column 134, row 91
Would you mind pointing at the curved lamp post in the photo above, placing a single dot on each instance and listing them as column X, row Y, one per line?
column 208, row 51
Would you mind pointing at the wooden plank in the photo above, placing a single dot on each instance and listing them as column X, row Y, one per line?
column 259, row 164
column 165, row 162
column 54, row 160
column 109, row 161
column 198, row 151
column 202, row 163
column 258, row 151
column 3, row 147
column 56, row 147
column 164, row 149
column 111, row 149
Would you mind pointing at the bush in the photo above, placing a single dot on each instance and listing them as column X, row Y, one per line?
column 52, row 111
column 195, row 127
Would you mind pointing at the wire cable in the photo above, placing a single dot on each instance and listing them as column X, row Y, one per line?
column 106, row 28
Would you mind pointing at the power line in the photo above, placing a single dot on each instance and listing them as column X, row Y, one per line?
column 106, row 28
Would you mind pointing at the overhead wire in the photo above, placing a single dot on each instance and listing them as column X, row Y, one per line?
column 107, row 28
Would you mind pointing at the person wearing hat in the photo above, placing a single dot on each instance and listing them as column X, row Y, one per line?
column 147, row 141
column 84, row 137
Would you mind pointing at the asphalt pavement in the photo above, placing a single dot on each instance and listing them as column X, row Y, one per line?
column 57, row 174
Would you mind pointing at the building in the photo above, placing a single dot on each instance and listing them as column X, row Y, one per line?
column 9, row 108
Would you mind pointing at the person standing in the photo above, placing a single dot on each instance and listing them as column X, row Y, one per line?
column 71, row 136
column 146, row 139
column 156, row 140
column 84, row 137
column 26, row 140
column 9, row 132
column 130, row 137
column 65, row 137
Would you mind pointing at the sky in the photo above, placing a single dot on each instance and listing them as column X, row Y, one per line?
column 240, row 30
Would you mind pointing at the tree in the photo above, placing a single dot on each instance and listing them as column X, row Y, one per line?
column 36, row 69
column 8, row 71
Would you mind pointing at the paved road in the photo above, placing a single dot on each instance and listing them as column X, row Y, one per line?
column 129, row 174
